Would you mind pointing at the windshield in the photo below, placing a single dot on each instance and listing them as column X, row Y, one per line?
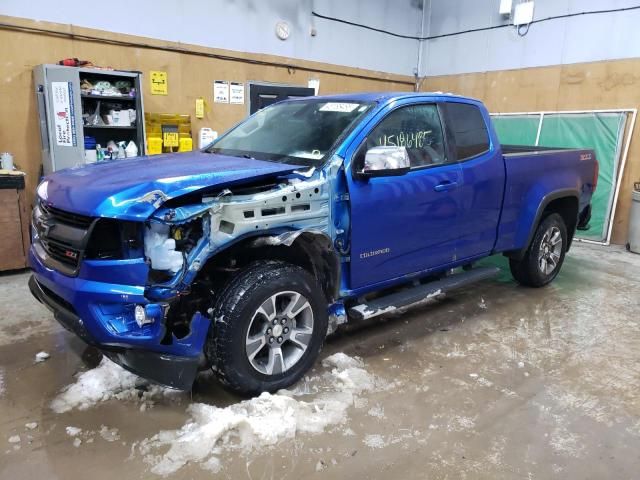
column 302, row 132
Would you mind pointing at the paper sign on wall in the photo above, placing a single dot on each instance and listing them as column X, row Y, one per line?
column 159, row 85
column 315, row 84
column 64, row 119
column 237, row 93
column 221, row 91
column 170, row 139
column 199, row 107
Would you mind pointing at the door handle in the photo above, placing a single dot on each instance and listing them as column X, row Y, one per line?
column 445, row 186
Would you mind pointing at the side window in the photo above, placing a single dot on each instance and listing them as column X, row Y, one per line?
column 416, row 127
column 467, row 127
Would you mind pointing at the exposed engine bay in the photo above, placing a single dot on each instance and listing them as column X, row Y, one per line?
column 181, row 238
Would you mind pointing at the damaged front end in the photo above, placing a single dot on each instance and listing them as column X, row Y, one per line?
column 194, row 244
column 143, row 289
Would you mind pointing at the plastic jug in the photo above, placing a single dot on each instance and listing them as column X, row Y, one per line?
column 7, row 160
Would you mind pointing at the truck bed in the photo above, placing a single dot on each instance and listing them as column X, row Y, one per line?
column 530, row 174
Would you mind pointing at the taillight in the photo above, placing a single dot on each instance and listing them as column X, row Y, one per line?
column 596, row 172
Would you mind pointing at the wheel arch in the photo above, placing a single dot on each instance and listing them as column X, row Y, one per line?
column 563, row 202
column 311, row 250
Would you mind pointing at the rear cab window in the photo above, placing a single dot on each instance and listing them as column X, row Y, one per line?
column 466, row 129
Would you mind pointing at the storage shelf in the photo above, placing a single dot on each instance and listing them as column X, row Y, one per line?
column 108, row 97
column 115, row 127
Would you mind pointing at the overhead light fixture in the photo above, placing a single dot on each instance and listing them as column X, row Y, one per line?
column 523, row 13
column 505, row 7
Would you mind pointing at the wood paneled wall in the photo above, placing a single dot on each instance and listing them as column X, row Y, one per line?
column 588, row 86
column 189, row 76
column 585, row 86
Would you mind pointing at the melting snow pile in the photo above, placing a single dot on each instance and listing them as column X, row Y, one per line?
column 103, row 383
column 259, row 422
column 1, row 382
column 41, row 357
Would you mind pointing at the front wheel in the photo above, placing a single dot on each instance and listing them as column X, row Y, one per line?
column 544, row 257
column 269, row 325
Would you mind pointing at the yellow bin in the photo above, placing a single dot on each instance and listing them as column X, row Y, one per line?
column 186, row 144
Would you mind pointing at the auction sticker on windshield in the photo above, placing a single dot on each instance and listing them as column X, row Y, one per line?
column 339, row 107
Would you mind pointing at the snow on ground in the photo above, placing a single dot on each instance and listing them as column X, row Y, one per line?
column 73, row 431
column 259, row 422
column 41, row 357
column 108, row 380
column 1, row 382
column 374, row 441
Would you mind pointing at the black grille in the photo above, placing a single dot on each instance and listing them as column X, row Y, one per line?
column 62, row 237
column 61, row 253
column 106, row 241
column 66, row 238
column 68, row 218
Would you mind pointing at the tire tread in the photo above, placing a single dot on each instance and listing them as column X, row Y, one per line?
column 221, row 344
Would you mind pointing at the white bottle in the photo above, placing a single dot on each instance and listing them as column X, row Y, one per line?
column 121, row 149
column 7, row 160
column 131, row 150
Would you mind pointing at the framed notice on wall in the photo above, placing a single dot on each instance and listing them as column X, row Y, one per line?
column 64, row 115
column 236, row 93
column 221, row 91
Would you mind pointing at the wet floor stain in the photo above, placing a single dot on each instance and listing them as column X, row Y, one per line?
column 497, row 381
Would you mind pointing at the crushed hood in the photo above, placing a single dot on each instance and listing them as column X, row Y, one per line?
column 132, row 189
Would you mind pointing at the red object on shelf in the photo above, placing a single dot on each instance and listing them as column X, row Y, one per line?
column 74, row 62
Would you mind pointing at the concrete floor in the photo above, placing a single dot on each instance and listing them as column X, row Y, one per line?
column 495, row 382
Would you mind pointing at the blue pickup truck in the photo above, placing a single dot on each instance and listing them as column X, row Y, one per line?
column 312, row 212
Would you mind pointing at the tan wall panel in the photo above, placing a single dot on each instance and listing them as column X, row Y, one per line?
column 189, row 76
column 586, row 86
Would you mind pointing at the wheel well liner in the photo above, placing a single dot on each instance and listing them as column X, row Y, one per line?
column 312, row 251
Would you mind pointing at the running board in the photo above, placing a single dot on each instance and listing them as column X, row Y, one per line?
column 420, row 294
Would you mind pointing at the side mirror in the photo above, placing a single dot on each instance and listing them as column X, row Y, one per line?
column 385, row 161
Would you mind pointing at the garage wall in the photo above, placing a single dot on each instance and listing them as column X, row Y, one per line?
column 190, row 75
column 584, row 62
column 249, row 26
column 584, row 86
column 583, row 38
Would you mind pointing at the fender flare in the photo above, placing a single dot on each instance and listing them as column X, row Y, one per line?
column 542, row 206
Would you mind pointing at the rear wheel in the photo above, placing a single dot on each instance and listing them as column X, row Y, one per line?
column 269, row 326
column 544, row 257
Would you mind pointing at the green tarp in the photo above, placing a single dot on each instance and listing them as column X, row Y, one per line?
column 602, row 132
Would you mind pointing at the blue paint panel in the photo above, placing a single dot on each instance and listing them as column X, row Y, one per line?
column 106, row 310
column 530, row 179
column 132, row 189
column 482, row 190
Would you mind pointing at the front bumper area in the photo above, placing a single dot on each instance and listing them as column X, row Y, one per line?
column 102, row 315
column 171, row 370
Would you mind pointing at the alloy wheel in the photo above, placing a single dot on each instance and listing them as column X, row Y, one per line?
column 279, row 332
column 550, row 250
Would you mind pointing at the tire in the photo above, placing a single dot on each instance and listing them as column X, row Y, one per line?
column 543, row 259
column 243, row 341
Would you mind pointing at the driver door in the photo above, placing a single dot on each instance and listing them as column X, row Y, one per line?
column 404, row 223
